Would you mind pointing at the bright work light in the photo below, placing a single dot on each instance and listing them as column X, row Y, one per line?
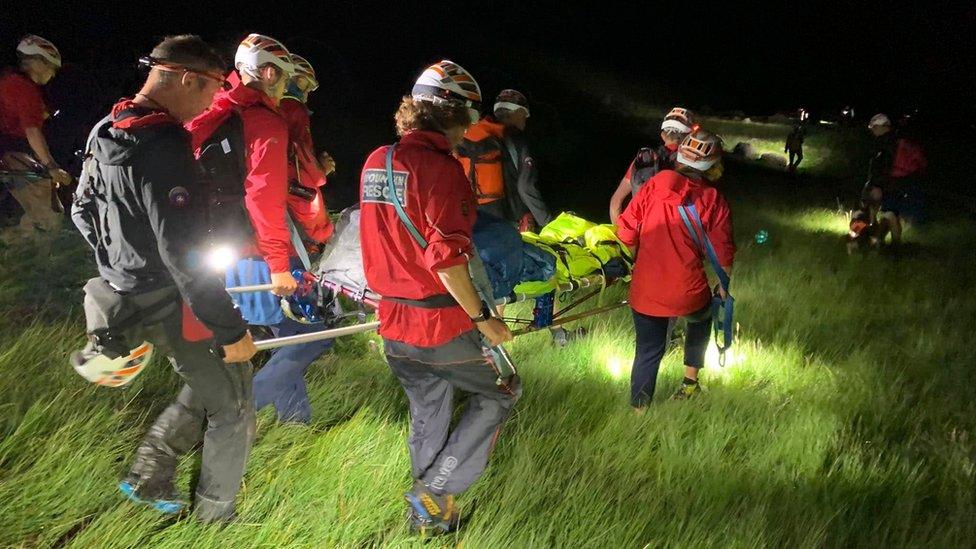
column 221, row 258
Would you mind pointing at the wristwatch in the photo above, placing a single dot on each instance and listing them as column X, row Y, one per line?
column 485, row 314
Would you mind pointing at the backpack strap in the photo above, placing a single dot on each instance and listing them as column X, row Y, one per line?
column 296, row 241
column 395, row 200
column 689, row 214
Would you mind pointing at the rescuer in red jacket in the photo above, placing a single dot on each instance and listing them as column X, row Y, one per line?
column 306, row 176
column 23, row 147
column 431, row 314
column 669, row 277
column 244, row 123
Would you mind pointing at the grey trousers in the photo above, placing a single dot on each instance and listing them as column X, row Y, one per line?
column 450, row 460
column 215, row 406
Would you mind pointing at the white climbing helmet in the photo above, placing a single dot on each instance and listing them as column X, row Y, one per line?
column 35, row 45
column 700, row 150
column 258, row 50
column 446, row 82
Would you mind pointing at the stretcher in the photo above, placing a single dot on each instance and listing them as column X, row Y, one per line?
column 544, row 314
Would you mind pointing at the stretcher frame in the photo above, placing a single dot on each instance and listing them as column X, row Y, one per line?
column 544, row 314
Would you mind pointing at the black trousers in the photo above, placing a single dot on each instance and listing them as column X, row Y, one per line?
column 215, row 405
column 652, row 340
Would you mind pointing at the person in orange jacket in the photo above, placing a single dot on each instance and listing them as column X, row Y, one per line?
column 497, row 160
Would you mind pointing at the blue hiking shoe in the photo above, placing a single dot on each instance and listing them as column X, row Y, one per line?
column 163, row 499
column 430, row 514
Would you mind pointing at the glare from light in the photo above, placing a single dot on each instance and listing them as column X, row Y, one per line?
column 732, row 358
column 617, row 366
column 221, row 258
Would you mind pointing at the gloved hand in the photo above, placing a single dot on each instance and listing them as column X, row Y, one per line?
column 59, row 176
column 527, row 223
column 328, row 163
column 241, row 350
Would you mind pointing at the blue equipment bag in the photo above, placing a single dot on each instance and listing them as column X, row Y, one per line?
column 257, row 308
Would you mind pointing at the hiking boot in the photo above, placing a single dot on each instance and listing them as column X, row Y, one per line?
column 686, row 391
column 158, row 493
column 150, row 479
column 430, row 514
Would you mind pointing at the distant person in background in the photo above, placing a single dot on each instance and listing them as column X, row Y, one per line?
column 669, row 278
column 500, row 166
column 22, row 143
column 794, row 146
column 676, row 126
column 894, row 175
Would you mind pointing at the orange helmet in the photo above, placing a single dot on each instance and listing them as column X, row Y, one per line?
column 700, row 150
column 258, row 50
column 35, row 45
column 304, row 69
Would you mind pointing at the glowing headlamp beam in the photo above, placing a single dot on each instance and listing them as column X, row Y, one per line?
column 221, row 258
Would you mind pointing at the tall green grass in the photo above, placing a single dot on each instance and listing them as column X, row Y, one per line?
column 844, row 417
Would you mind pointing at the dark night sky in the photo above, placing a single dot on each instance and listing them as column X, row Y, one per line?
column 764, row 58
column 773, row 57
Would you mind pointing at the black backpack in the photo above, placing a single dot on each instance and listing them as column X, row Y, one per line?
column 645, row 167
column 223, row 161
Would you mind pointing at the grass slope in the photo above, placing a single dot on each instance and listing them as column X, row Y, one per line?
column 843, row 417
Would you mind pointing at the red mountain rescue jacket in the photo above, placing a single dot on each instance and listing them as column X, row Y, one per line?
column 669, row 276
column 266, row 159
column 303, row 168
column 438, row 199
column 21, row 107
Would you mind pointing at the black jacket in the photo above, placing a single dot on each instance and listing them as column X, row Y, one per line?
column 521, row 178
column 882, row 158
column 138, row 203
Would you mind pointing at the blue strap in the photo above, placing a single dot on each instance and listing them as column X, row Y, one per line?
column 689, row 214
column 722, row 310
column 395, row 200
